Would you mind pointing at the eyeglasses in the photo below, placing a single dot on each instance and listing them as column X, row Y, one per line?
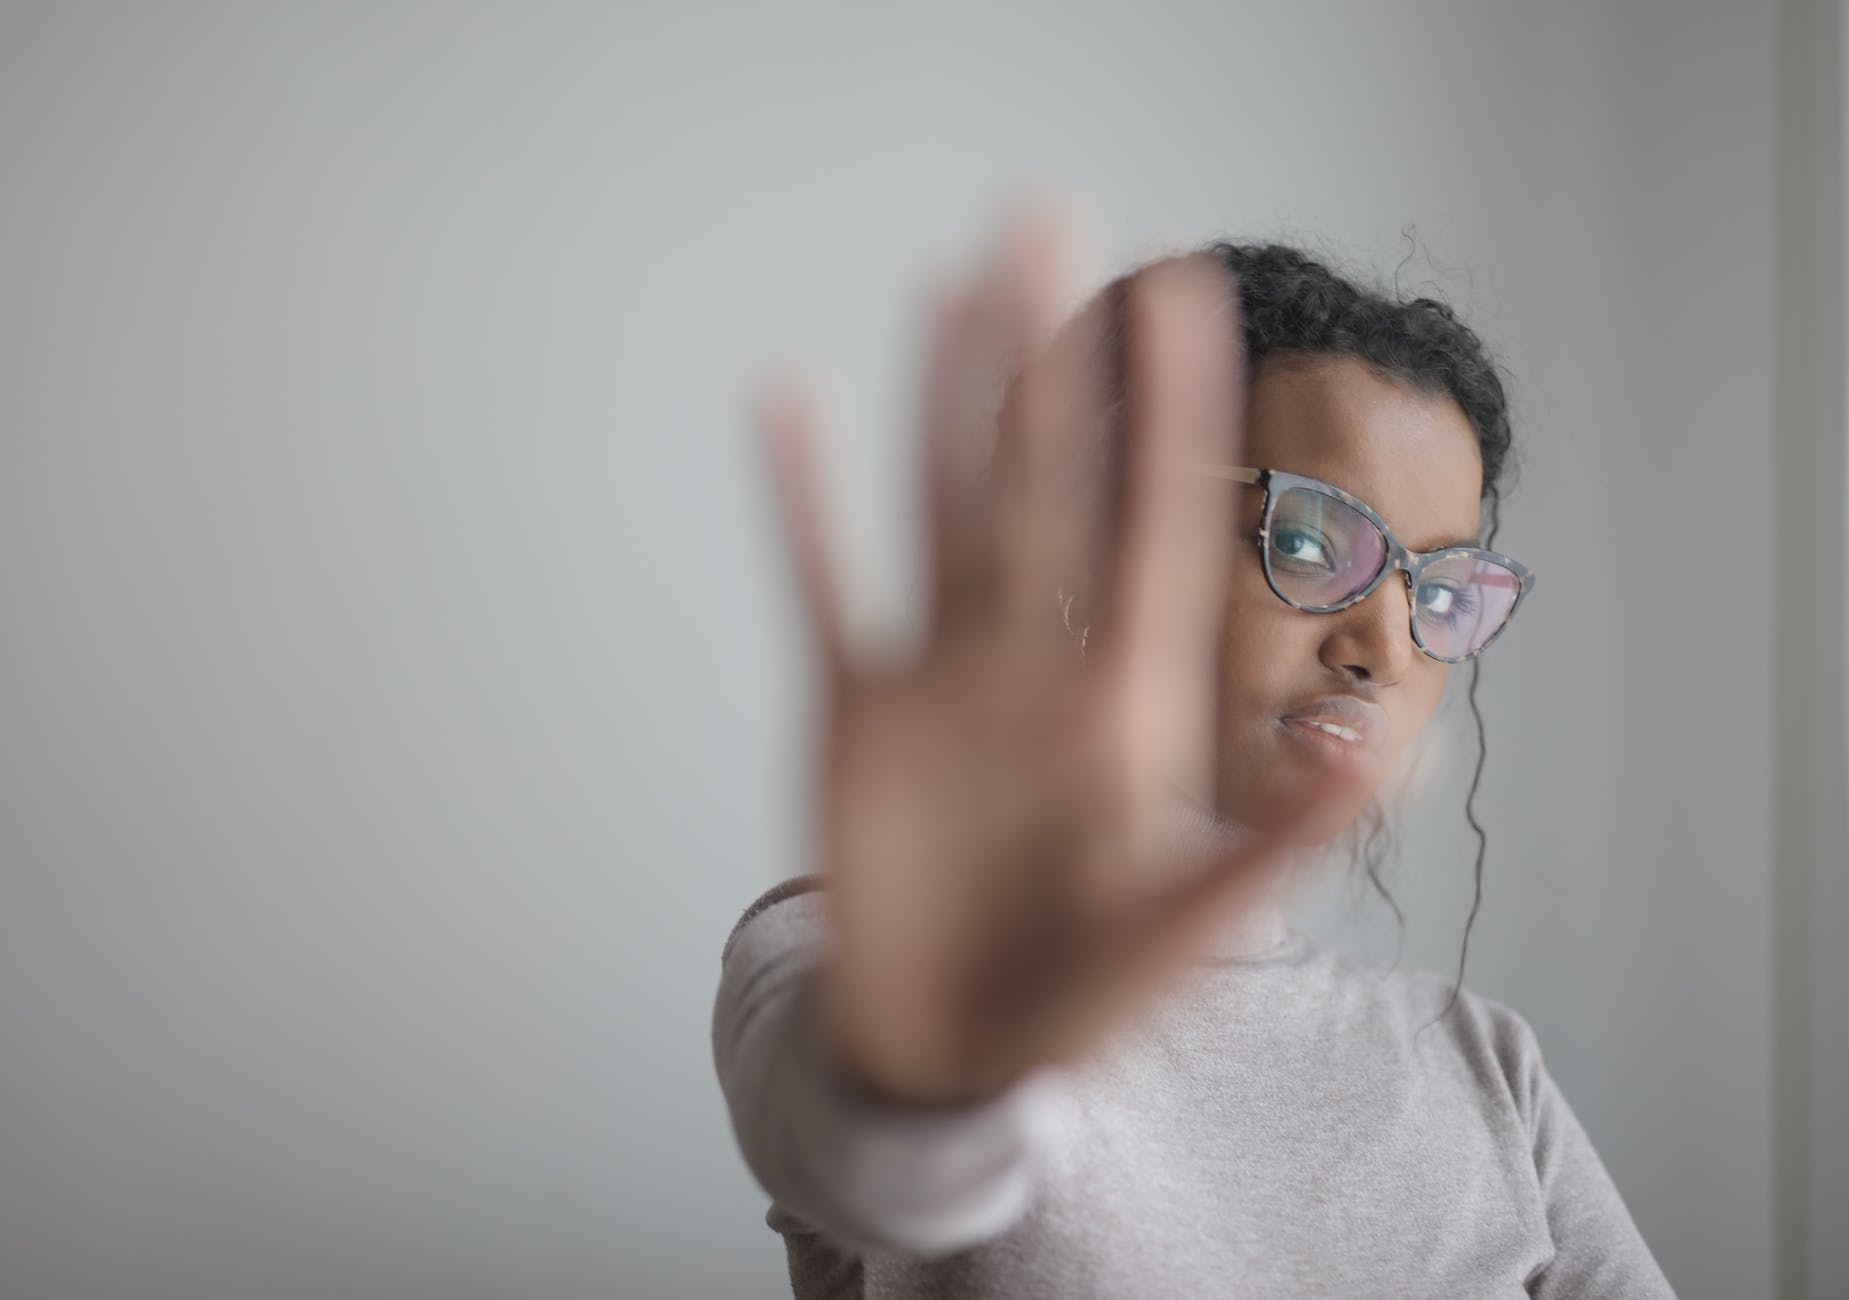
column 1325, row 550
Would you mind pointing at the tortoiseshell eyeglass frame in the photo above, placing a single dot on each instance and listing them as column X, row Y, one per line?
column 1274, row 483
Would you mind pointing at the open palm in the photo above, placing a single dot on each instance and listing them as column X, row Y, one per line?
column 992, row 812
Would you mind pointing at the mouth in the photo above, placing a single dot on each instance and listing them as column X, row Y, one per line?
column 1340, row 727
column 1326, row 742
column 1348, row 734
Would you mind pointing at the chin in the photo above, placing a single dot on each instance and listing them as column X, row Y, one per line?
column 1259, row 801
column 1327, row 828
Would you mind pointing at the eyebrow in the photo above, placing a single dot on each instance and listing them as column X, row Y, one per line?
column 1467, row 543
column 1470, row 543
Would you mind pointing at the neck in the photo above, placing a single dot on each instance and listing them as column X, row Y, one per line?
column 1258, row 926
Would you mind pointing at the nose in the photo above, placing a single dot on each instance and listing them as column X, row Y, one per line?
column 1372, row 639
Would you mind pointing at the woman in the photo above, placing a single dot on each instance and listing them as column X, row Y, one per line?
column 1038, row 1027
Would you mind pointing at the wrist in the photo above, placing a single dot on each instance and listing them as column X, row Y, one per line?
column 860, row 1083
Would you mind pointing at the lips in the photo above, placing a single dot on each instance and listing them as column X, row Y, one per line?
column 1346, row 721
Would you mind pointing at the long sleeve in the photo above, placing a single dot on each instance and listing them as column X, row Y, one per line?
column 922, row 1182
column 1598, row 1250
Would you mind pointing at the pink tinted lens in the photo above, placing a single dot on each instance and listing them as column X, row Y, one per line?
column 1461, row 602
column 1321, row 550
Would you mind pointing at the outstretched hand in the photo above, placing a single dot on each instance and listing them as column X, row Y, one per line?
column 994, row 813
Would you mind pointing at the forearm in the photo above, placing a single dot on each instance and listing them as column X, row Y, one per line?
column 924, row 1182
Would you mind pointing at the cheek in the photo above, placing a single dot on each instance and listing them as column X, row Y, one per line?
column 1269, row 652
column 1266, row 644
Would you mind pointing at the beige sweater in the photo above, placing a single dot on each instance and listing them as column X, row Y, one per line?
column 1270, row 1128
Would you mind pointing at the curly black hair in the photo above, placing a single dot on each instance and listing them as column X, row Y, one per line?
column 1296, row 308
column 1292, row 303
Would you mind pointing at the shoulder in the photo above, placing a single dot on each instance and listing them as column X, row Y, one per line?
column 807, row 889
column 1486, row 1036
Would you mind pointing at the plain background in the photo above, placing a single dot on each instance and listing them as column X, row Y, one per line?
column 403, row 686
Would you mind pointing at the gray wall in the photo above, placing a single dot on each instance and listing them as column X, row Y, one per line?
column 403, row 691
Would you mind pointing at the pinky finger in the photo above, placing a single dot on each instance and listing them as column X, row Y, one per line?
column 788, row 417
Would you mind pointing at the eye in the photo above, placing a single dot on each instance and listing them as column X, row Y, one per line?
column 1443, row 602
column 1302, row 549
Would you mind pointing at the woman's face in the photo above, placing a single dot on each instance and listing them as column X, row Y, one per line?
column 1414, row 459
